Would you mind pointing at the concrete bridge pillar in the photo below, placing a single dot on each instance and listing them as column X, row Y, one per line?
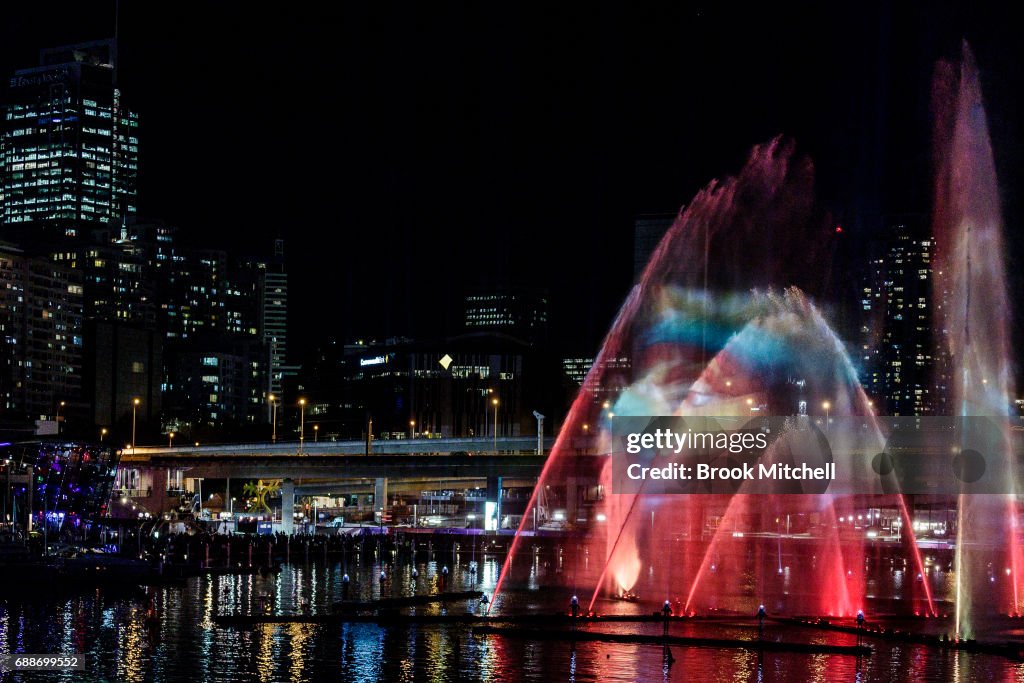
column 380, row 493
column 288, row 506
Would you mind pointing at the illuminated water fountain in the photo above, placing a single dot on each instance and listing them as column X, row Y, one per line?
column 724, row 322
column 976, row 306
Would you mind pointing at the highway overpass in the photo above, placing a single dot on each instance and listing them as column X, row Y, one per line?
column 157, row 474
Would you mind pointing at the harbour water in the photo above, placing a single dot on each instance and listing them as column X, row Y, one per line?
column 182, row 643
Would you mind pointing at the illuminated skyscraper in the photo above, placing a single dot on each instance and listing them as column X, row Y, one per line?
column 900, row 362
column 69, row 159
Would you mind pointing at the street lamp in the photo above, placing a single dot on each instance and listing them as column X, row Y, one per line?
column 494, row 402
column 135, row 406
column 170, row 439
column 59, row 406
column 316, row 433
column 412, row 429
column 302, row 423
column 103, row 433
column 273, row 403
column 827, row 406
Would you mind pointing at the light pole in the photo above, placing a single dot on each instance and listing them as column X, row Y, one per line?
column 170, row 439
column 135, row 406
column 273, row 405
column 540, row 432
column 412, row 429
column 103, row 433
column 316, row 433
column 494, row 402
column 59, row 406
column 484, row 434
column 827, row 406
column 302, row 423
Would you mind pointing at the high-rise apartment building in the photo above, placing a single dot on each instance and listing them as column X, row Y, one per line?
column 41, row 317
column 902, row 365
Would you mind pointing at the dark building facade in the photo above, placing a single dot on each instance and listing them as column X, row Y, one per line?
column 273, row 321
column 126, row 362
column 516, row 312
column 218, row 386
column 648, row 231
column 442, row 388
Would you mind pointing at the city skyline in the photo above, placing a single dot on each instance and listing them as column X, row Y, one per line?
column 467, row 342
column 461, row 170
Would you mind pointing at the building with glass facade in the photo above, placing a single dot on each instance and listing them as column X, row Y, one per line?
column 902, row 366
column 70, row 147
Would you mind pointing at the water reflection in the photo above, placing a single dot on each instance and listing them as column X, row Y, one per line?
column 181, row 643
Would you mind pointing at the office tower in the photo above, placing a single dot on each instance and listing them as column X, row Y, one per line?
column 70, row 146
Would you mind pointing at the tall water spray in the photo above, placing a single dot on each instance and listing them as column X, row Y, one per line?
column 974, row 304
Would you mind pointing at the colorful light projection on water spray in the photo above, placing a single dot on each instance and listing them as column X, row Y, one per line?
column 724, row 322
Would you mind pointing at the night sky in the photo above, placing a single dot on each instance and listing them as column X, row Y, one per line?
column 409, row 152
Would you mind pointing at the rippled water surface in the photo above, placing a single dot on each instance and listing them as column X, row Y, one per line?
column 110, row 628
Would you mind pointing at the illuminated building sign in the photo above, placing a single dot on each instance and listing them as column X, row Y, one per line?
column 376, row 360
column 44, row 78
